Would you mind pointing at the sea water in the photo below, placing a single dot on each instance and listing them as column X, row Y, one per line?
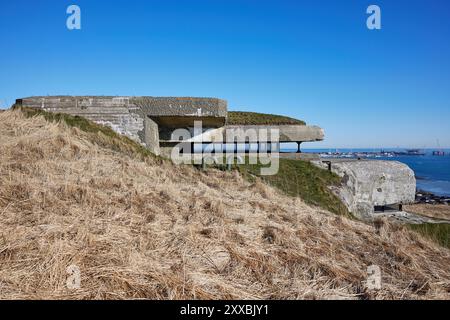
column 432, row 172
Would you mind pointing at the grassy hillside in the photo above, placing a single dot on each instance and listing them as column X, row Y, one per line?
column 295, row 178
column 149, row 230
column 438, row 232
column 306, row 181
column 302, row 179
column 253, row 118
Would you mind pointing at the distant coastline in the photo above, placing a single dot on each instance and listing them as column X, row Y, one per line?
column 432, row 172
column 426, row 197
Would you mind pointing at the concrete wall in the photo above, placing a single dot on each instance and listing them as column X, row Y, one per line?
column 370, row 183
column 116, row 112
column 139, row 118
column 151, row 138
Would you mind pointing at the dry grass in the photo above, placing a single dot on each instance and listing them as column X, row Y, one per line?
column 140, row 229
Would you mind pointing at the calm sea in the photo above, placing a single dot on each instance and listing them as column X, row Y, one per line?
column 432, row 172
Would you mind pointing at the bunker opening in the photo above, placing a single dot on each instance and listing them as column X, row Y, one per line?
column 388, row 208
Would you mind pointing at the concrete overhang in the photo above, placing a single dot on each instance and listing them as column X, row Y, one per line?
column 287, row 133
column 256, row 133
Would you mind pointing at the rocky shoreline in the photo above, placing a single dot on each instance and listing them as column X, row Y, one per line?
column 430, row 198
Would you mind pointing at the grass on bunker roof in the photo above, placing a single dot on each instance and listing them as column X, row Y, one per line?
column 254, row 118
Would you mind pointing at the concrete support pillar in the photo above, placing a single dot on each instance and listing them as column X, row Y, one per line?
column 298, row 149
column 151, row 134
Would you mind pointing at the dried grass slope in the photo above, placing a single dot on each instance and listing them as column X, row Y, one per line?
column 138, row 227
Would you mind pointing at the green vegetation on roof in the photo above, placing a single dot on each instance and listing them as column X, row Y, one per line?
column 253, row 118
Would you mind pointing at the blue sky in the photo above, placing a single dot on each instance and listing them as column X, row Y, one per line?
column 314, row 60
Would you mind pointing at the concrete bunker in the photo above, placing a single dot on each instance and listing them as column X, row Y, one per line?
column 151, row 121
column 372, row 187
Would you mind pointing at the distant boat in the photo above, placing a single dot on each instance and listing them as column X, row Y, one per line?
column 410, row 152
column 438, row 152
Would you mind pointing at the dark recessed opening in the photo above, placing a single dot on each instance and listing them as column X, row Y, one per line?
column 388, row 208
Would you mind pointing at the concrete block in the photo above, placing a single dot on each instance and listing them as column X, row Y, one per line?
column 370, row 183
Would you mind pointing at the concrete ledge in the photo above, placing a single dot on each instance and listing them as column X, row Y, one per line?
column 289, row 133
column 244, row 134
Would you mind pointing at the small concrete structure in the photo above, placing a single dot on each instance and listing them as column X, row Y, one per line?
column 372, row 187
column 152, row 121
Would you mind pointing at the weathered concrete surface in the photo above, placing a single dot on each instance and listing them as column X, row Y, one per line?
column 288, row 133
column 184, row 107
column 366, row 184
column 151, row 138
column 116, row 112
column 259, row 133
column 151, row 106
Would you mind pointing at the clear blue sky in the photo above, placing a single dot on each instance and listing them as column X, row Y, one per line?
column 314, row 60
